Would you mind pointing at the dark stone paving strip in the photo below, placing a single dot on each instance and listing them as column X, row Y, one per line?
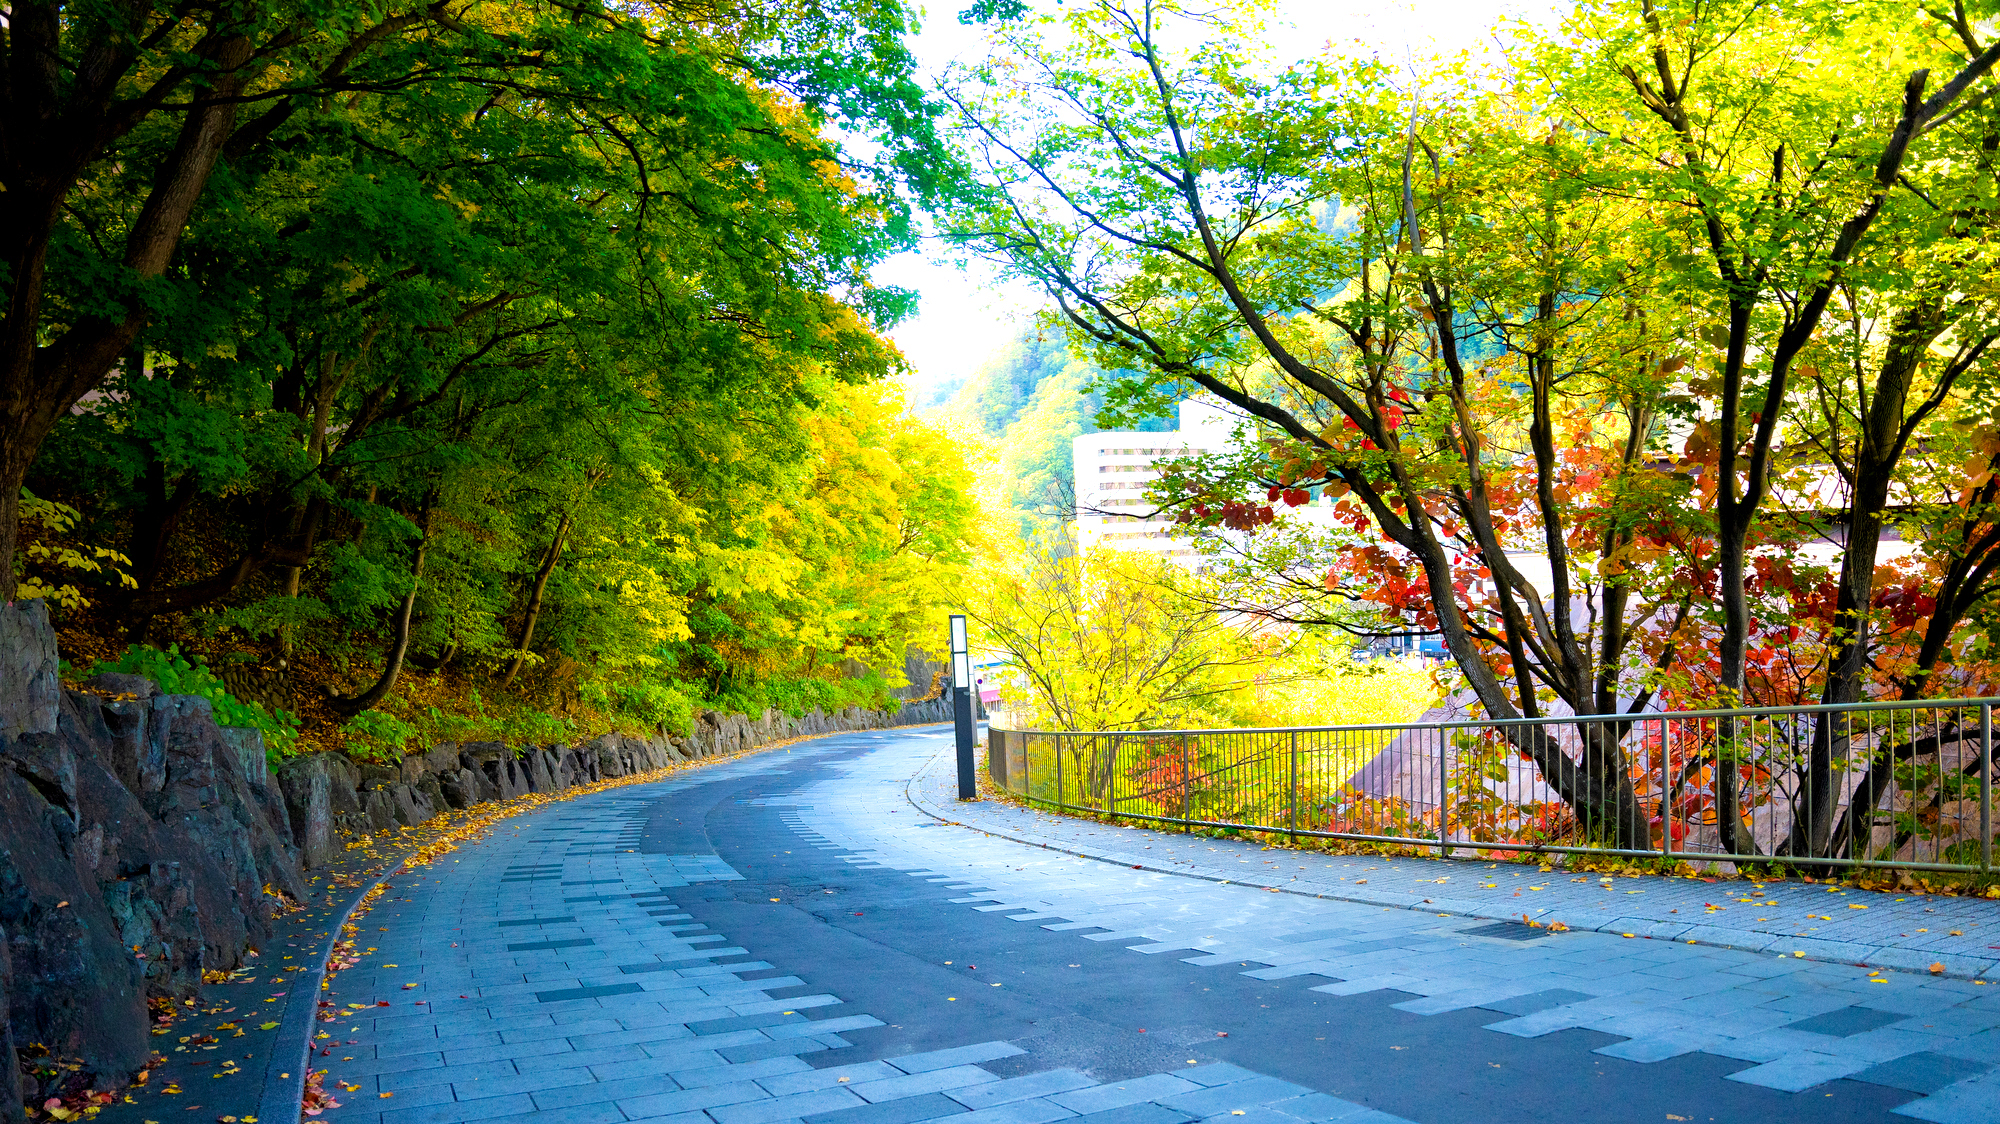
column 578, row 942
column 537, row 921
column 587, row 992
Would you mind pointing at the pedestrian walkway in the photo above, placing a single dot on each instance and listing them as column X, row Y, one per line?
column 694, row 950
column 1796, row 1006
column 548, row 976
column 1909, row 932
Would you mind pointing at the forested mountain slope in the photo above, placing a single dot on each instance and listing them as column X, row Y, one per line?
column 1032, row 398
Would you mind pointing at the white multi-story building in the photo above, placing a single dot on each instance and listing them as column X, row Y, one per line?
column 1114, row 469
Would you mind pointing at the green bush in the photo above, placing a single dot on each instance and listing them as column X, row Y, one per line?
column 178, row 674
column 797, row 696
column 651, row 704
column 378, row 736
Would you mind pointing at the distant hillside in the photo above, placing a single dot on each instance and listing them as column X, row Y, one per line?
column 1033, row 398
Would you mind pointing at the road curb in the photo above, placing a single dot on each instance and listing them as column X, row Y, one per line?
column 284, row 1094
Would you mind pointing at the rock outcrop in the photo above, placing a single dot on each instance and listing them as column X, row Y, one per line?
column 135, row 849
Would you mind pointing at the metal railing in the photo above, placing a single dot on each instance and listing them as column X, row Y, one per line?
column 1896, row 784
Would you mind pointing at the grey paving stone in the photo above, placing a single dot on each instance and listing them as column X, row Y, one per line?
column 1922, row 1073
column 1319, row 1108
column 581, row 1114
column 1536, row 1001
column 1043, row 1084
column 1252, row 1116
column 562, row 994
column 453, row 1112
column 536, row 921
column 786, row 1006
column 575, row 942
column 959, row 1055
column 828, row 1077
column 413, row 1043
column 1659, row 1047
column 731, row 1074
column 1973, row 1101
column 401, row 1063
column 571, row 1059
column 1140, row 1113
column 790, row 1029
column 1036, row 1111
column 923, row 1081
column 1235, row 1095
column 692, row 1100
column 734, row 1023
column 1847, row 1021
column 409, row 1098
column 790, row 1107
column 1103, row 1098
column 1799, row 1071
column 1217, row 1073
column 435, row 1074
column 757, row 1051
column 535, row 1082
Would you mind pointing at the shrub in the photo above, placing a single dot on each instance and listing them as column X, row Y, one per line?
column 178, row 674
column 649, row 703
column 378, row 736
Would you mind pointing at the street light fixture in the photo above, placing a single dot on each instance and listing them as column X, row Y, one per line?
column 961, row 707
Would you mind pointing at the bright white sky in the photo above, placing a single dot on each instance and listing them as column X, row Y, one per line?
column 964, row 316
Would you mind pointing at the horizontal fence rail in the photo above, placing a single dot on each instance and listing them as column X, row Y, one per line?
column 1903, row 785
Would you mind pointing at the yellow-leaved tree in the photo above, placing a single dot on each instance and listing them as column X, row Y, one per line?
column 1105, row 640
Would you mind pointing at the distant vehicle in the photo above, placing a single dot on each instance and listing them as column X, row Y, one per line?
column 1428, row 645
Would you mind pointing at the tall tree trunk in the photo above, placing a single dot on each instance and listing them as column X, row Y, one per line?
column 152, row 534
column 398, row 647
column 547, row 567
column 41, row 379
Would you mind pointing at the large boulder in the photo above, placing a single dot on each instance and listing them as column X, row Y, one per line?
column 316, row 796
column 608, row 751
column 29, row 690
column 432, row 792
column 412, row 805
column 463, row 788
column 540, row 779
column 107, row 894
column 378, row 776
column 380, row 808
column 248, row 744
column 496, row 765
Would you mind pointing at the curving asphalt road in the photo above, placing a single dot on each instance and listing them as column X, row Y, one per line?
column 790, row 936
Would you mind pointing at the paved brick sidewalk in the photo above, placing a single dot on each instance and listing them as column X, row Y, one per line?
column 545, row 976
column 1909, row 932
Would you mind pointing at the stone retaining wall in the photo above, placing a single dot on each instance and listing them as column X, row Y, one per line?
column 140, row 842
column 330, row 797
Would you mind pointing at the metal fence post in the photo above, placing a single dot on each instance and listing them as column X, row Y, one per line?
column 1444, row 794
column 1666, row 803
column 1187, row 783
column 1295, row 785
column 1986, row 787
column 1059, row 791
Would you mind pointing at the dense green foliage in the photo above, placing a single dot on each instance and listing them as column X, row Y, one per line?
column 531, row 344
column 1649, row 362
